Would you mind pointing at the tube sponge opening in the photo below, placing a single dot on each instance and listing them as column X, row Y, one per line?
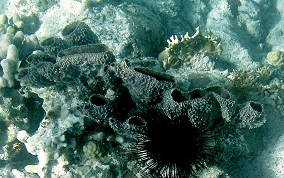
column 78, row 33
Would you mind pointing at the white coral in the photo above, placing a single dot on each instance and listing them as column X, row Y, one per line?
column 9, row 66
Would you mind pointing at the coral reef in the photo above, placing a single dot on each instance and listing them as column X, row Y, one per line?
column 93, row 107
column 83, row 91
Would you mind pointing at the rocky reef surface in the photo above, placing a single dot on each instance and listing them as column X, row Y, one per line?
column 107, row 88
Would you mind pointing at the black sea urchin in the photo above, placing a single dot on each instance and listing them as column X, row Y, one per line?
column 172, row 146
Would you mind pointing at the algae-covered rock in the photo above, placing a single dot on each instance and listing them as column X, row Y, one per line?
column 142, row 32
column 147, row 31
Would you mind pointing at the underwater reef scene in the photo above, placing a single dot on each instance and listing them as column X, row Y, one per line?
column 141, row 89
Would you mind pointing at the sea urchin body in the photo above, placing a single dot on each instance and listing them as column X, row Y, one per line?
column 172, row 146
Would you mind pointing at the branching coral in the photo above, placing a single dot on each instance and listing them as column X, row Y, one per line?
column 241, row 80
